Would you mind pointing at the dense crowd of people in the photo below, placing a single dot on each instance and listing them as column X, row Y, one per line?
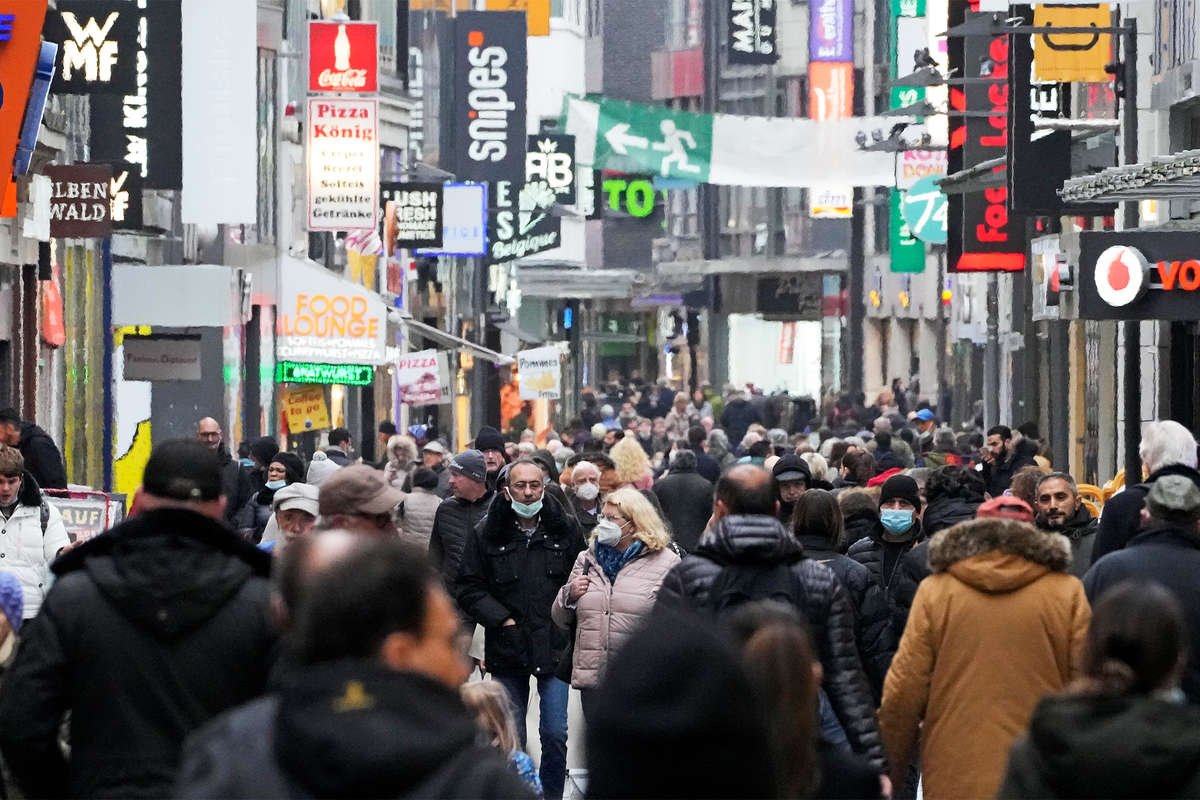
column 861, row 603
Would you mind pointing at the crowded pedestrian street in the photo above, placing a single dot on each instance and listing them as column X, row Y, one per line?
column 599, row 399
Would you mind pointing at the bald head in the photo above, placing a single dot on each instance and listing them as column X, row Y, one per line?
column 302, row 563
column 208, row 431
column 746, row 489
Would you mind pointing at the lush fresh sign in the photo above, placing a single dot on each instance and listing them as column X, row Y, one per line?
column 343, row 374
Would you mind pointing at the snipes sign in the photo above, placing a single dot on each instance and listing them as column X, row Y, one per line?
column 490, row 63
column 1134, row 275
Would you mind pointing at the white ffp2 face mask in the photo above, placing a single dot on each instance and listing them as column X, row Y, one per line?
column 587, row 492
column 607, row 532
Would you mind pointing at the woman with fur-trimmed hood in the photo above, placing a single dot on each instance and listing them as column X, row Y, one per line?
column 998, row 625
column 402, row 461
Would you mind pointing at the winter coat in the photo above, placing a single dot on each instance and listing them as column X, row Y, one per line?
column 756, row 541
column 42, row 457
column 738, row 416
column 26, row 552
column 151, row 629
column 872, row 620
column 686, row 500
column 506, row 575
column 998, row 475
column 946, row 511
column 1121, row 519
column 338, row 456
column 1167, row 555
column 443, row 487
column 608, row 613
column 1081, row 531
column 417, row 513
column 885, row 560
column 453, row 522
column 998, row 625
column 678, row 424
column 400, row 477
column 252, row 520
column 1114, row 747
column 585, row 519
column 301, row 743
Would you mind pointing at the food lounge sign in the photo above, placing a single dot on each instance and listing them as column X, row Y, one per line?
column 1139, row 275
column 323, row 319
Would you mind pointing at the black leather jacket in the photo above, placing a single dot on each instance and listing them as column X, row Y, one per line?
column 452, row 523
column 761, row 540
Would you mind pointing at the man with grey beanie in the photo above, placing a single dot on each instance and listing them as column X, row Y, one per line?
column 458, row 514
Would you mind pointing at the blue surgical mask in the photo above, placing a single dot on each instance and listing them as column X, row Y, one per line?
column 527, row 510
column 276, row 484
column 896, row 520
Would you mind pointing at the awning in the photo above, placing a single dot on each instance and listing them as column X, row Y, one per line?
column 831, row 262
column 1174, row 176
column 578, row 283
column 455, row 342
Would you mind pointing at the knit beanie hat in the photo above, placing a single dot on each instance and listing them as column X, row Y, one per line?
column 292, row 465
column 12, row 600
column 320, row 468
column 489, row 438
column 900, row 487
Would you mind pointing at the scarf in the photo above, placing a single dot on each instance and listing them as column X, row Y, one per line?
column 611, row 559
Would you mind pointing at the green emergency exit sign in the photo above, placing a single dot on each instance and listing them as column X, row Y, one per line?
column 344, row 374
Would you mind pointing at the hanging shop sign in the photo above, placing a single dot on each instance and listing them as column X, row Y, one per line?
column 343, row 164
column 325, row 374
column 327, row 320
column 1132, row 275
column 633, row 195
column 523, row 224
column 414, row 217
column 144, row 126
column 89, row 514
column 423, row 378
column 343, row 57
column 20, row 48
column 831, row 202
column 490, row 64
column 906, row 252
column 162, row 358
column 830, row 96
column 537, row 13
column 79, row 200
column 925, row 212
column 539, row 372
column 797, row 296
column 1079, row 57
column 831, row 30
column 752, row 32
column 98, row 46
column 125, row 197
column 550, row 160
column 305, row 409
column 465, row 231
column 913, row 165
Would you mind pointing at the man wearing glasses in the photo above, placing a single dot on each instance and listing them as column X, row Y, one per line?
column 359, row 499
column 514, row 564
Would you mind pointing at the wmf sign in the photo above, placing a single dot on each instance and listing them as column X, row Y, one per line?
column 98, row 43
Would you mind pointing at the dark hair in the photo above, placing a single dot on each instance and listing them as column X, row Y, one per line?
column 746, row 492
column 683, row 460
column 1136, row 641
column 388, row 427
column 955, row 481
column 837, row 451
column 696, row 437
column 860, row 466
column 601, row 460
column 759, row 449
column 353, row 605
column 1029, row 430
column 1058, row 476
column 818, row 514
column 183, row 469
column 1003, row 431
column 9, row 416
column 883, row 440
column 424, row 478
column 339, row 435
column 1025, row 483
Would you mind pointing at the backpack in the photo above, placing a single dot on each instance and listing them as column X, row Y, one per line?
column 738, row 584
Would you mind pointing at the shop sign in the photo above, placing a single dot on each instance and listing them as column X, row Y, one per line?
column 465, row 207
column 79, row 200
column 305, row 409
column 551, row 161
column 89, row 515
column 831, row 96
column 98, row 46
column 423, row 378
column 1072, row 57
column 539, row 373
column 343, row 164
column 414, row 216
column 125, row 197
column 20, row 48
column 490, row 64
column 537, row 13
column 831, row 31
column 325, row 374
column 326, row 320
column 925, row 212
column 632, row 195
column 795, row 297
column 162, row 358
column 523, row 224
column 907, row 252
column 343, row 57
column 1133, row 275
column 831, row 202
column 752, row 32
column 913, row 165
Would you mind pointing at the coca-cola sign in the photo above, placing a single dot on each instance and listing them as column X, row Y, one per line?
column 343, row 57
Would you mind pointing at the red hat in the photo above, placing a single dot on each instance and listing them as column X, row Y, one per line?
column 1005, row 507
column 881, row 478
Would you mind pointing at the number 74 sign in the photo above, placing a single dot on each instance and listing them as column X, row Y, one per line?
column 925, row 210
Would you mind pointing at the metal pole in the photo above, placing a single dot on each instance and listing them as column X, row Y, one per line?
column 991, row 356
column 106, row 331
column 1132, row 400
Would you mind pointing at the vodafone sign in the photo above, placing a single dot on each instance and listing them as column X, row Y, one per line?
column 1138, row 275
column 343, row 57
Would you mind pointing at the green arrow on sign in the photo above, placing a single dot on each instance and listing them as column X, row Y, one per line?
column 925, row 210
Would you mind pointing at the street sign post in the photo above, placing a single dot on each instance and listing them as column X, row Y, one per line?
column 925, row 210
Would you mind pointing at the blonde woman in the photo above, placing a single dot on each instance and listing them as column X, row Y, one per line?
column 488, row 701
column 613, row 585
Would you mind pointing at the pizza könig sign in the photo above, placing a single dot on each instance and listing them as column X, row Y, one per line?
column 1136, row 275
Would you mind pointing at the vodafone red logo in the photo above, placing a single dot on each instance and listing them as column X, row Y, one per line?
column 1122, row 275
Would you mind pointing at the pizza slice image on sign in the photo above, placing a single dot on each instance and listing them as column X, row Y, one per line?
column 1122, row 275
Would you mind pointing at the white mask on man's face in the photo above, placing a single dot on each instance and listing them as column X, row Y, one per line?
column 587, row 492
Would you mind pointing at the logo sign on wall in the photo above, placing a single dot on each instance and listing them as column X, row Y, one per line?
column 97, row 46
column 752, row 32
column 79, row 200
column 831, row 31
column 1131, row 275
column 925, row 212
column 523, row 224
column 125, row 196
column 423, row 378
column 144, row 126
column 343, row 57
column 539, row 372
column 327, row 320
column 490, row 64
column 162, row 358
column 343, row 164
column 466, row 213
column 551, row 161
column 414, row 217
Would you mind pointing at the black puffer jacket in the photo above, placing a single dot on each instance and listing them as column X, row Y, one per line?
column 152, row 629
column 876, row 642
column 452, row 523
column 1081, row 531
column 897, row 576
column 758, row 541
column 504, row 575
column 947, row 511
column 1121, row 519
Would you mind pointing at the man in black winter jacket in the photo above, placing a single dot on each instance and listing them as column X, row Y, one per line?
column 686, row 499
column 884, row 549
column 746, row 535
column 513, row 566
column 373, row 708
column 458, row 514
column 150, row 630
column 42, row 456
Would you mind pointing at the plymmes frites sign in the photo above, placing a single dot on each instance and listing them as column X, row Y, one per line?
column 539, row 372
column 79, row 200
column 343, row 164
